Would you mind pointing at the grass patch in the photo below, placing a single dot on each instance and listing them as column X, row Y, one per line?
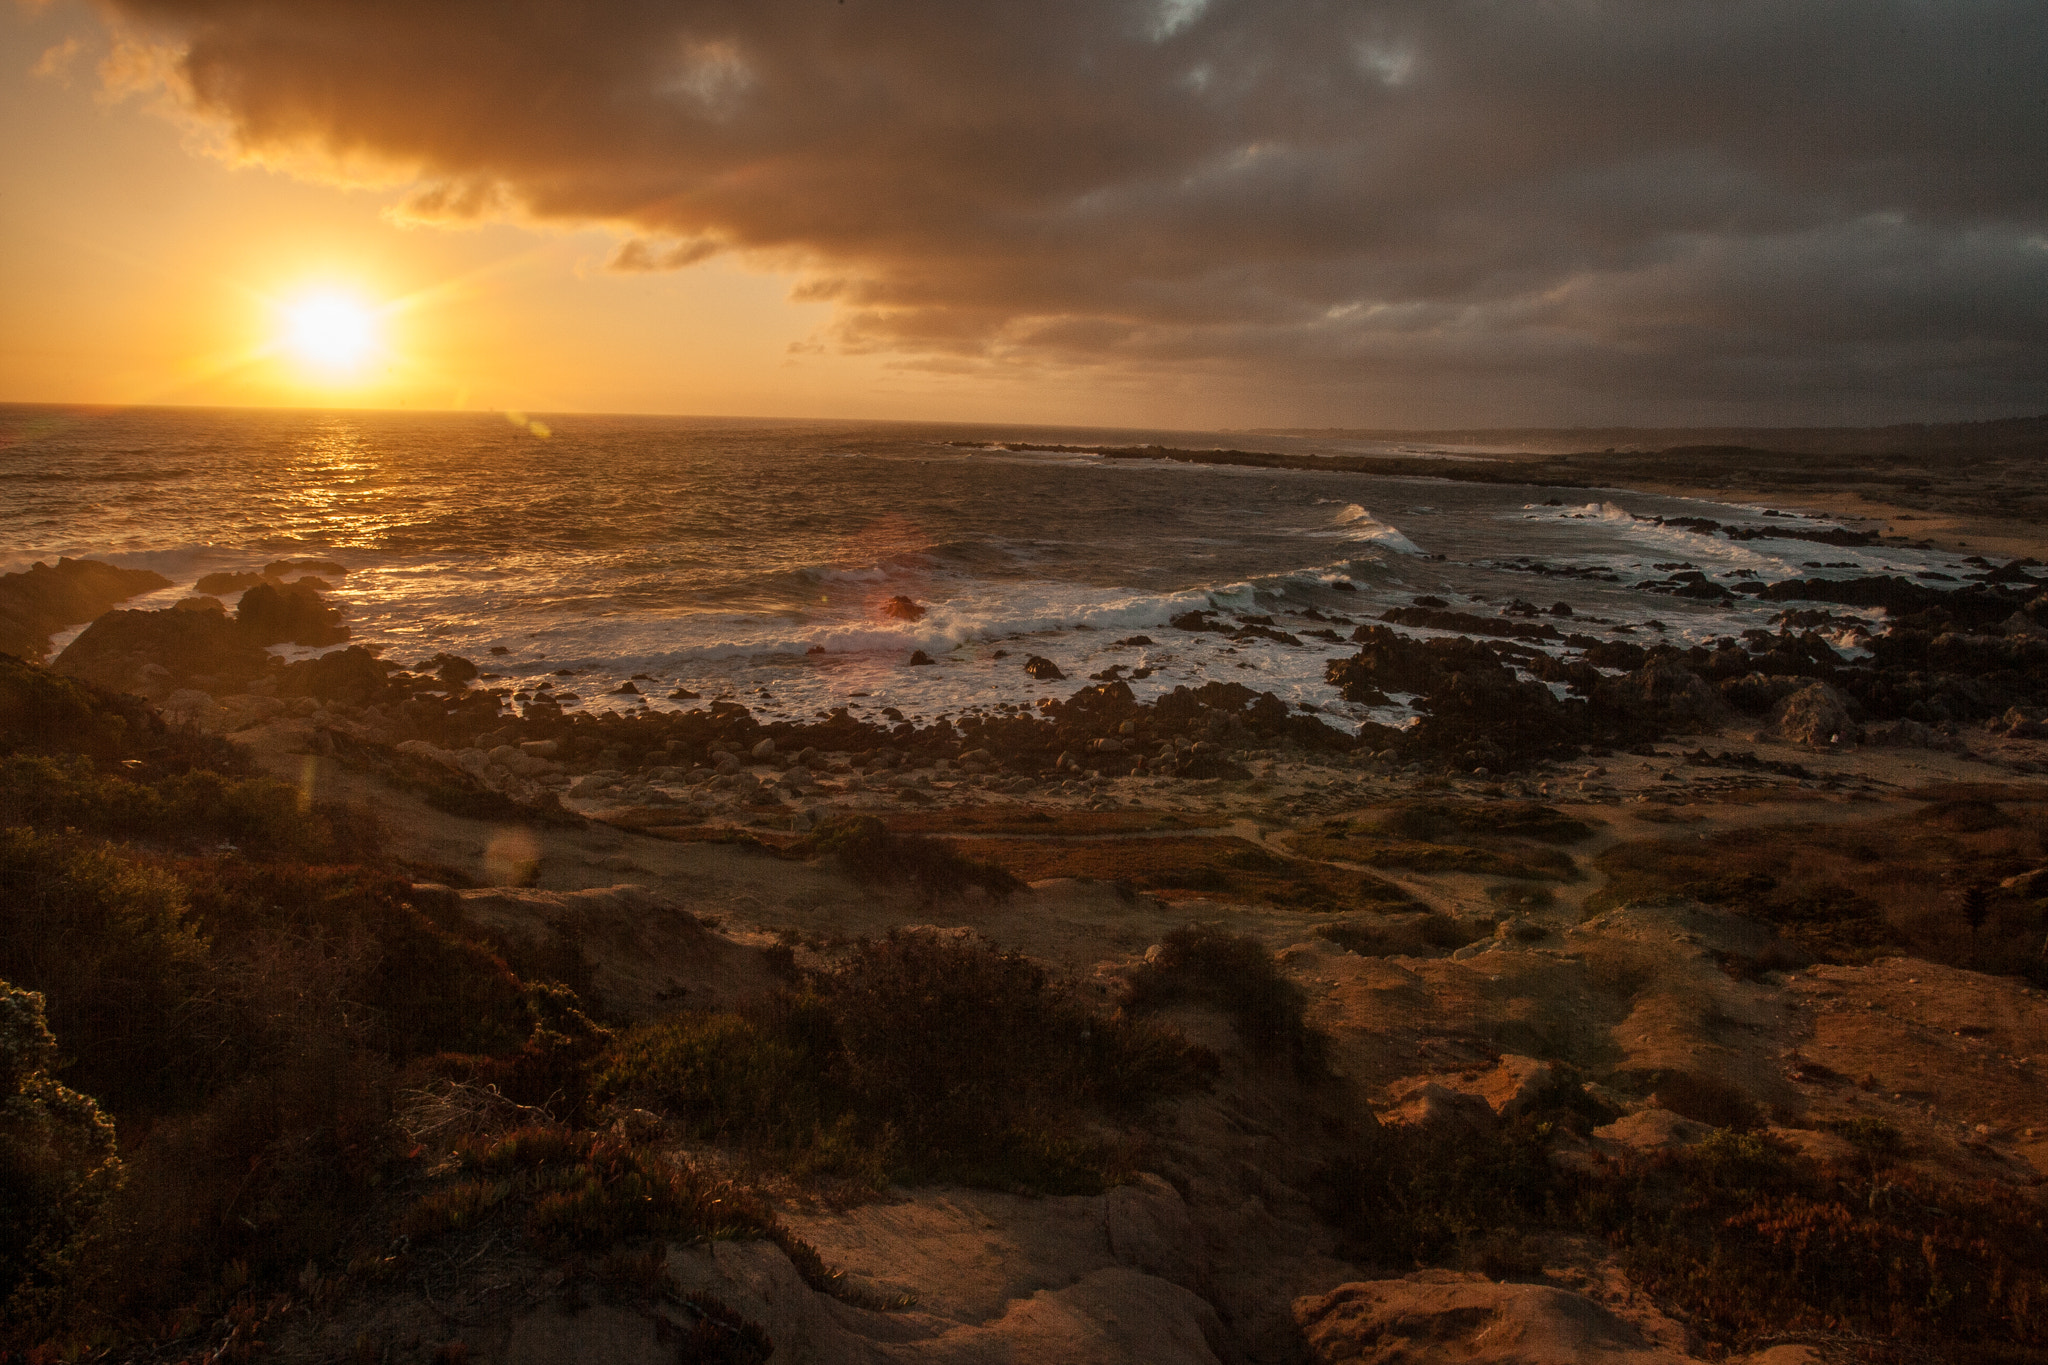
column 870, row 852
column 1850, row 893
column 1045, row 821
column 1448, row 821
column 1529, row 863
column 1425, row 935
column 1175, row 866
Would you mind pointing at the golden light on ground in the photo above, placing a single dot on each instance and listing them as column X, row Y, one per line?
column 332, row 333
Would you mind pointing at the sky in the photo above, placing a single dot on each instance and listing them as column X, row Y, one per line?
column 1177, row 213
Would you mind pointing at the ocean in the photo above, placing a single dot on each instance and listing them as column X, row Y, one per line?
column 753, row 560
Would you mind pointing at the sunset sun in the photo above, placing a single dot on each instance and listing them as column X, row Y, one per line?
column 331, row 332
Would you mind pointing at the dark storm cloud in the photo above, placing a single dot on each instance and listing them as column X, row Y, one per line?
column 1412, row 210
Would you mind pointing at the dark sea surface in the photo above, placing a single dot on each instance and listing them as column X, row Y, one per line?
column 713, row 554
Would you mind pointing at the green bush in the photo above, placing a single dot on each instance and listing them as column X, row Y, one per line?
column 869, row 852
column 1233, row 973
column 111, row 946
column 197, row 809
column 58, row 1161
column 919, row 1056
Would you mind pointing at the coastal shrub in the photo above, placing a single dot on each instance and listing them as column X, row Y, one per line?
column 866, row 848
column 1409, row 1199
column 1236, row 974
column 418, row 986
column 112, row 947
column 58, row 1161
column 1444, row 821
column 920, row 1057
column 1746, row 1237
column 1849, row 893
column 197, row 808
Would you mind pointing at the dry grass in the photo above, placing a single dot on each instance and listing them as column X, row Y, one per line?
column 1858, row 891
column 1174, row 867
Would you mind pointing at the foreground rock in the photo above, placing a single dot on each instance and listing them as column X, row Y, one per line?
column 1447, row 1315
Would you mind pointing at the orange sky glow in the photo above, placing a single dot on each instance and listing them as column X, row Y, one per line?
column 142, row 266
column 1168, row 213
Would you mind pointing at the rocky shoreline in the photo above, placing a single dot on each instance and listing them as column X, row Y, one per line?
column 1616, row 946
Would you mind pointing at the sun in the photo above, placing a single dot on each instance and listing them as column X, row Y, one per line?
column 330, row 331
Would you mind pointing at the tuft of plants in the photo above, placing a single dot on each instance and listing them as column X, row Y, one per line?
column 869, row 852
column 572, row 1189
column 1747, row 1237
column 1236, row 974
column 919, row 1057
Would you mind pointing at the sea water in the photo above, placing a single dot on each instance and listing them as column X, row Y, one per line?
column 753, row 560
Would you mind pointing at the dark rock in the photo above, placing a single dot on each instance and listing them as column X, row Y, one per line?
column 1136, row 640
column 1666, row 696
column 1197, row 621
column 1343, row 585
column 213, row 604
column 269, row 615
column 352, row 676
column 453, row 669
column 1469, row 624
column 278, row 568
column 920, row 659
column 155, row 652
column 42, row 600
column 903, row 609
column 625, row 689
column 1043, row 669
column 227, row 582
column 1815, row 715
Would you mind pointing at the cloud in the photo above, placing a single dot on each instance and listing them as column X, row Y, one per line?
column 1384, row 210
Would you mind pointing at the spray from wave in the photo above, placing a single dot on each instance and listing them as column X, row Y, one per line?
column 1362, row 525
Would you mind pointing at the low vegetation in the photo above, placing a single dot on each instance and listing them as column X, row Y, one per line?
column 1743, row 1235
column 919, row 1057
column 1178, row 866
column 871, row 852
column 1928, row 883
column 1232, row 973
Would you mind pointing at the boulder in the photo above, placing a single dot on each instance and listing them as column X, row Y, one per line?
column 353, row 676
column 42, row 600
column 269, row 615
column 1667, row 695
column 1448, row 1315
column 1043, row 669
column 1815, row 715
column 154, row 652
column 227, row 582
column 1435, row 1111
column 902, row 609
column 278, row 568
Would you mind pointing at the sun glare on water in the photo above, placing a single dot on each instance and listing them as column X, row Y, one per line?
column 331, row 332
